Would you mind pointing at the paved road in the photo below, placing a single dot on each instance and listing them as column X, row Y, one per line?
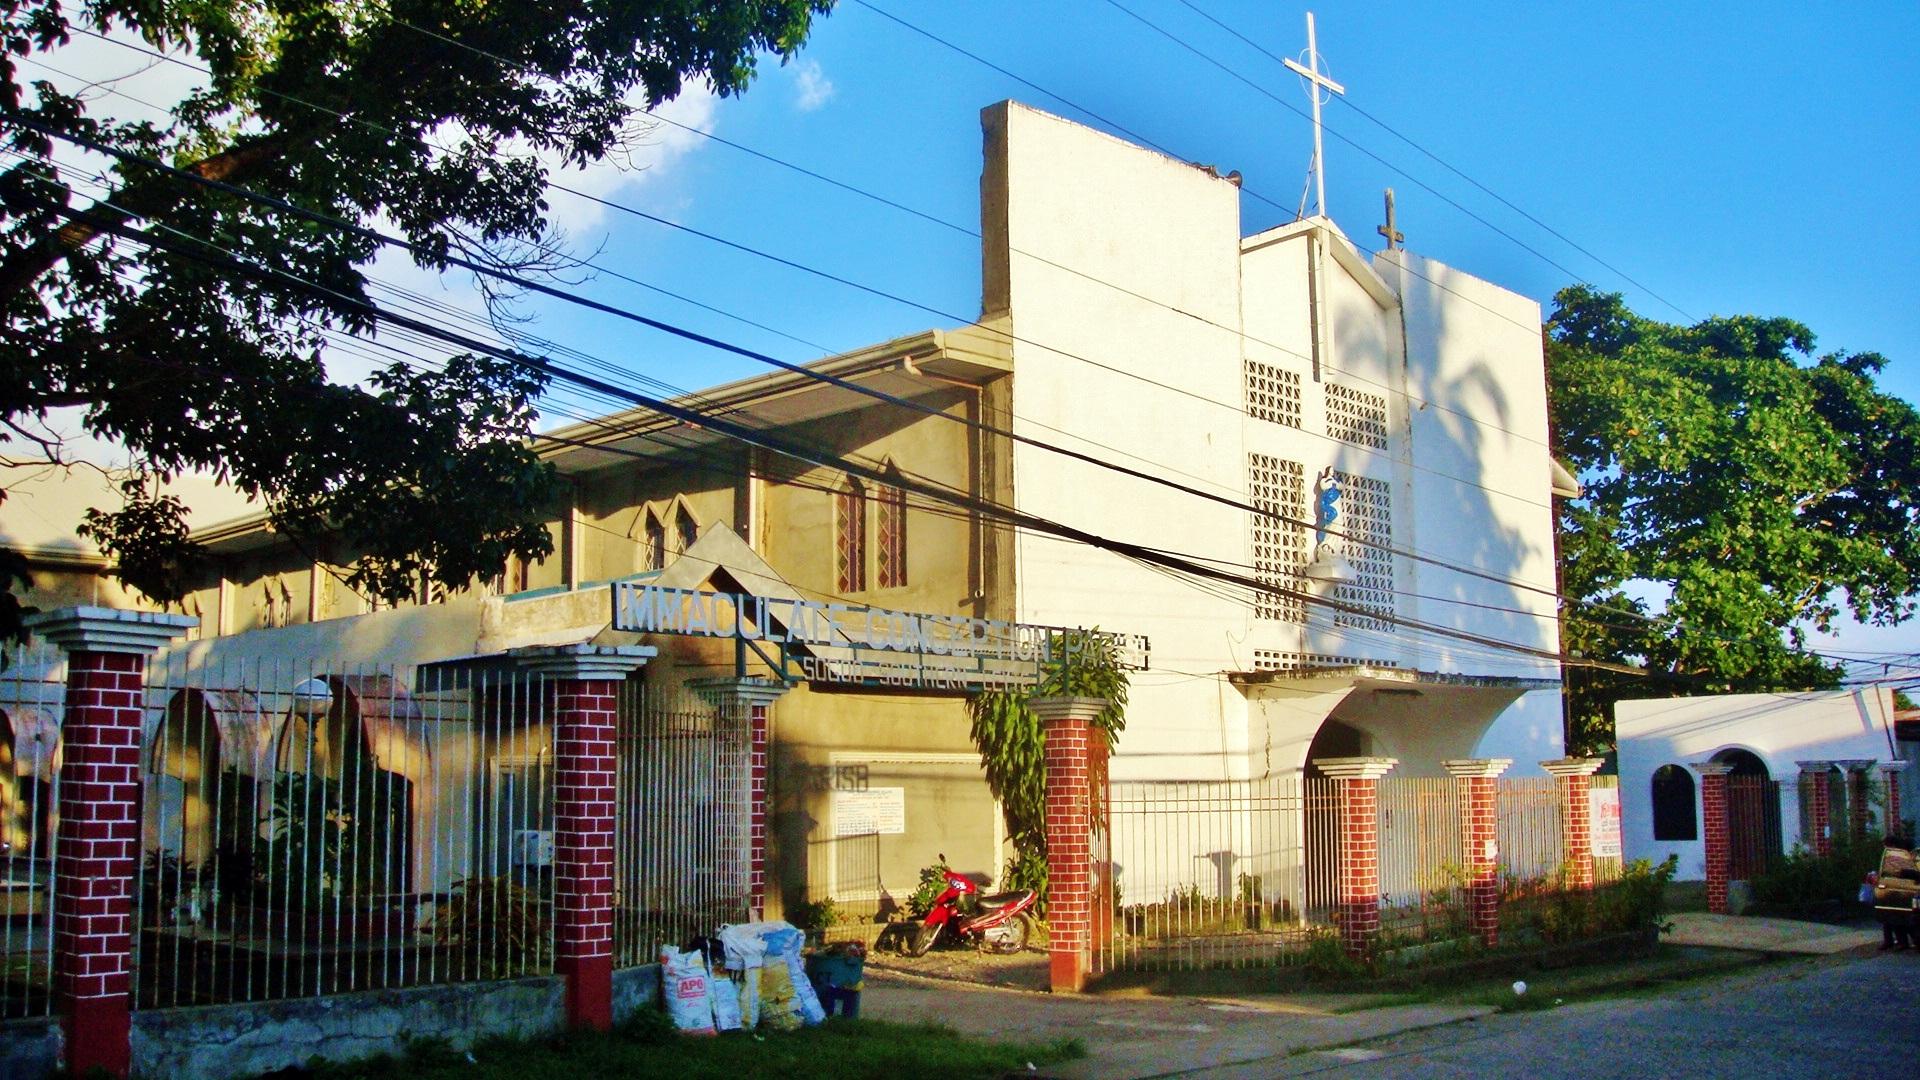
column 1837, row 1017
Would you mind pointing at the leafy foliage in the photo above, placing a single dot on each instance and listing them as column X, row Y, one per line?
column 191, row 325
column 502, row 926
column 1013, row 747
column 1758, row 491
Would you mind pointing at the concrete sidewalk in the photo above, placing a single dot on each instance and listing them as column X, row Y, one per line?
column 1134, row 1037
column 1766, row 935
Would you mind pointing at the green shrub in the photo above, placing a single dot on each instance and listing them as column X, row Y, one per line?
column 1803, row 878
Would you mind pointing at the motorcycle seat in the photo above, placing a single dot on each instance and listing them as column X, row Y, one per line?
column 1000, row 900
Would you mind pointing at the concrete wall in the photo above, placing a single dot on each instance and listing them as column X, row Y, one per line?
column 31, row 1049
column 1780, row 729
column 243, row 1040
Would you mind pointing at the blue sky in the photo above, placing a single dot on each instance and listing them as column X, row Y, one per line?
column 1759, row 163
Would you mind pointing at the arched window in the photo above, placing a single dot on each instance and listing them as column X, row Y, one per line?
column 655, row 543
column 1673, row 812
column 850, row 538
column 891, row 567
column 685, row 529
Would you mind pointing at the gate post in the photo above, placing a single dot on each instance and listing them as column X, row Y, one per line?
column 1817, row 797
column 586, row 681
column 97, row 843
column 750, row 699
column 1890, row 775
column 1479, row 835
column 1067, row 724
column 1358, row 779
column 1714, row 831
column 1575, row 776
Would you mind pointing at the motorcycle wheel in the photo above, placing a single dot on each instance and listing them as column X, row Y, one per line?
column 1009, row 937
column 922, row 939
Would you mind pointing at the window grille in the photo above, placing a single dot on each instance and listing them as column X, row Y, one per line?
column 850, row 538
column 1277, row 487
column 685, row 528
column 1273, row 393
column 1366, row 520
column 892, row 526
column 656, row 542
column 1357, row 417
column 1278, row 660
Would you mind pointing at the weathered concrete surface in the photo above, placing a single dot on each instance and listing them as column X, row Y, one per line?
column 243, row 1040
column 1130, row 1037
column 634, row 988
column 1766, row 935
column 29, row 1049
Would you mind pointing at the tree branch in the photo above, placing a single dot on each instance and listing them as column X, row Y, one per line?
column 20, row 270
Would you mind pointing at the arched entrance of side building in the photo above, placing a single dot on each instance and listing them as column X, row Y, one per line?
column 1753, row 813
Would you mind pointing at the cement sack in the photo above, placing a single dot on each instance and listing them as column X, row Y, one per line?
column 685, row 987
column 783, row 955
column 725, row 996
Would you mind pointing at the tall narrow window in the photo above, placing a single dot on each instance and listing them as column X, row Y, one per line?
column 686, row 530
column 850, row 538
column 656, row 542
column 1673, row 809
column 892, row 526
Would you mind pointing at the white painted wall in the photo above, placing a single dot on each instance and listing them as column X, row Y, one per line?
column 1781, row 729
column 1134, row 301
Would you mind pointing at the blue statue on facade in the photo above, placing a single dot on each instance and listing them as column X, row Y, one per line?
column 1326, row 496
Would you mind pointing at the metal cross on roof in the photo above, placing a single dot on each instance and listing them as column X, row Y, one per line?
column 1316, row 81
column 1390, row 230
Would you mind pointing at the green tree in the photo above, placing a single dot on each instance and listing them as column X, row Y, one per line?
column 433, row 118
column 1755, row 490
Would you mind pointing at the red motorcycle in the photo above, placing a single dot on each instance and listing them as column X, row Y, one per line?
column 998, row 923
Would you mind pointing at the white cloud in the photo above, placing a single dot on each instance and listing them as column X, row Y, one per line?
column 813, row 86
column 669, row 135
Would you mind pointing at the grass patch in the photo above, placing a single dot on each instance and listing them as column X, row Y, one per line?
column 838, row 1050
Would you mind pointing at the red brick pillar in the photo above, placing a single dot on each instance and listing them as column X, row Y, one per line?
column 97, row 843
column 749, row 702
column 1576, row 816
column 1816, row 797
column 1714, row 831
column 1068, row 726
column 586, row 696
column 1890, row 775
column 1479, row 840
column 1358, row 783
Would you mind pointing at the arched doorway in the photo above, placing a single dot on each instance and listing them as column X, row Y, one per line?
column 1321, row 843
column 1753, row 813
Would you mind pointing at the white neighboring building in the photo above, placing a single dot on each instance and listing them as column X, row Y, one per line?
column 1150, row 332
column 1762, row 735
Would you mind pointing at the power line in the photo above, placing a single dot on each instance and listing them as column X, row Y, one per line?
column 703, row 339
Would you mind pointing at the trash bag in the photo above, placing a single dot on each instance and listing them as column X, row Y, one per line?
column 686, row 989
column 725, row 997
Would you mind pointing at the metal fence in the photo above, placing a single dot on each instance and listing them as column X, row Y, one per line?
column 681, row 840
column 1753, row 826
column 1244, row 873
column 32, row 698
column 1422, row 856
column 1203, row 874
column 310, row 829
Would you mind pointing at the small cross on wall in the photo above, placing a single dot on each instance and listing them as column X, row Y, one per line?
column 1392, row 232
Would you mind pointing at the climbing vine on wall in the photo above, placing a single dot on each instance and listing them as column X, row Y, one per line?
column 1013, row 747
